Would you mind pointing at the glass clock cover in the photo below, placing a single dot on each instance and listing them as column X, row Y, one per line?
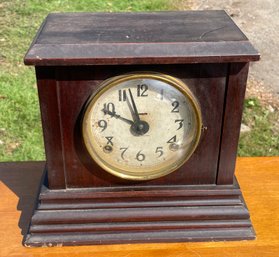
column 141, row 126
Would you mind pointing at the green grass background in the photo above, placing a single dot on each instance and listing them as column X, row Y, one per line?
column 20, row 125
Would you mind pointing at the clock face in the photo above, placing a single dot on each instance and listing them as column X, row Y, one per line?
column 141, row 126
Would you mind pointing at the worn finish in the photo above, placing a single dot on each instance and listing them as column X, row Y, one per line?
column 122, row 215
column 19, row 183
column 79, row 203
column 233, row 108
column 94, row 39
column 50, row 114
column 206, row 81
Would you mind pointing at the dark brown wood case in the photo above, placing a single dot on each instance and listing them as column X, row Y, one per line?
column 79, row 203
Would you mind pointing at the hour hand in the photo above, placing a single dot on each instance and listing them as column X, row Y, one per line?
column 113, row 114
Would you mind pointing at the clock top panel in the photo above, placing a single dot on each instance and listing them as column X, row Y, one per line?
column 139, row 38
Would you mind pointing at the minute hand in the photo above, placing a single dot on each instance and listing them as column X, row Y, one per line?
column 135, row 113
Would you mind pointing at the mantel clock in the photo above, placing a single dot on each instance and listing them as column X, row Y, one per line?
column 141, row 115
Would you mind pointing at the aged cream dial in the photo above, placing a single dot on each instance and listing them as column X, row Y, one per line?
column 141, row 126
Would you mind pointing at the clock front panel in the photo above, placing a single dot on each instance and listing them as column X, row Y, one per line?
column 126, row 139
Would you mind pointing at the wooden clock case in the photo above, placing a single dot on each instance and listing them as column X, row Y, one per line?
column 78, row 202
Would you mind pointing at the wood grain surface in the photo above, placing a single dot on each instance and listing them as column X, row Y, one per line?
column 139, row 38
column 63, row 91
column 258, row 178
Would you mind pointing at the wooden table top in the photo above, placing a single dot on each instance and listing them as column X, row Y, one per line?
column 258, row 178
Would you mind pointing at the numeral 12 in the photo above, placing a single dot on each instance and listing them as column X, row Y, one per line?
column 142, row 90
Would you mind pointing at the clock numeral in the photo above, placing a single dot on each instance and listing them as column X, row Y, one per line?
column 109, row 108
column 123, row 149
column 140, row 156
column 109, row 141
column 102, row 124
column 175, row 105
column 122, row 96
column 180, row 123
column 172, row 140
column 142, row 90
column 159, row 150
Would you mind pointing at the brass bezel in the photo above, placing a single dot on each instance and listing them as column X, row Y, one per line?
column 111, row 82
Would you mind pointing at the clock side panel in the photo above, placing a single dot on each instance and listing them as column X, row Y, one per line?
column 50, row 114
column 233, row 109
column 74, row 86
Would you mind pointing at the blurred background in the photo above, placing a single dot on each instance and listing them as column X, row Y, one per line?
column 20, row 125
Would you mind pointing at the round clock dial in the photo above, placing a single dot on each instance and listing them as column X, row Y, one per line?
column 141, row 126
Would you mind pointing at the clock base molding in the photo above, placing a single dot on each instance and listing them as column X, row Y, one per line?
column 118, row 215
